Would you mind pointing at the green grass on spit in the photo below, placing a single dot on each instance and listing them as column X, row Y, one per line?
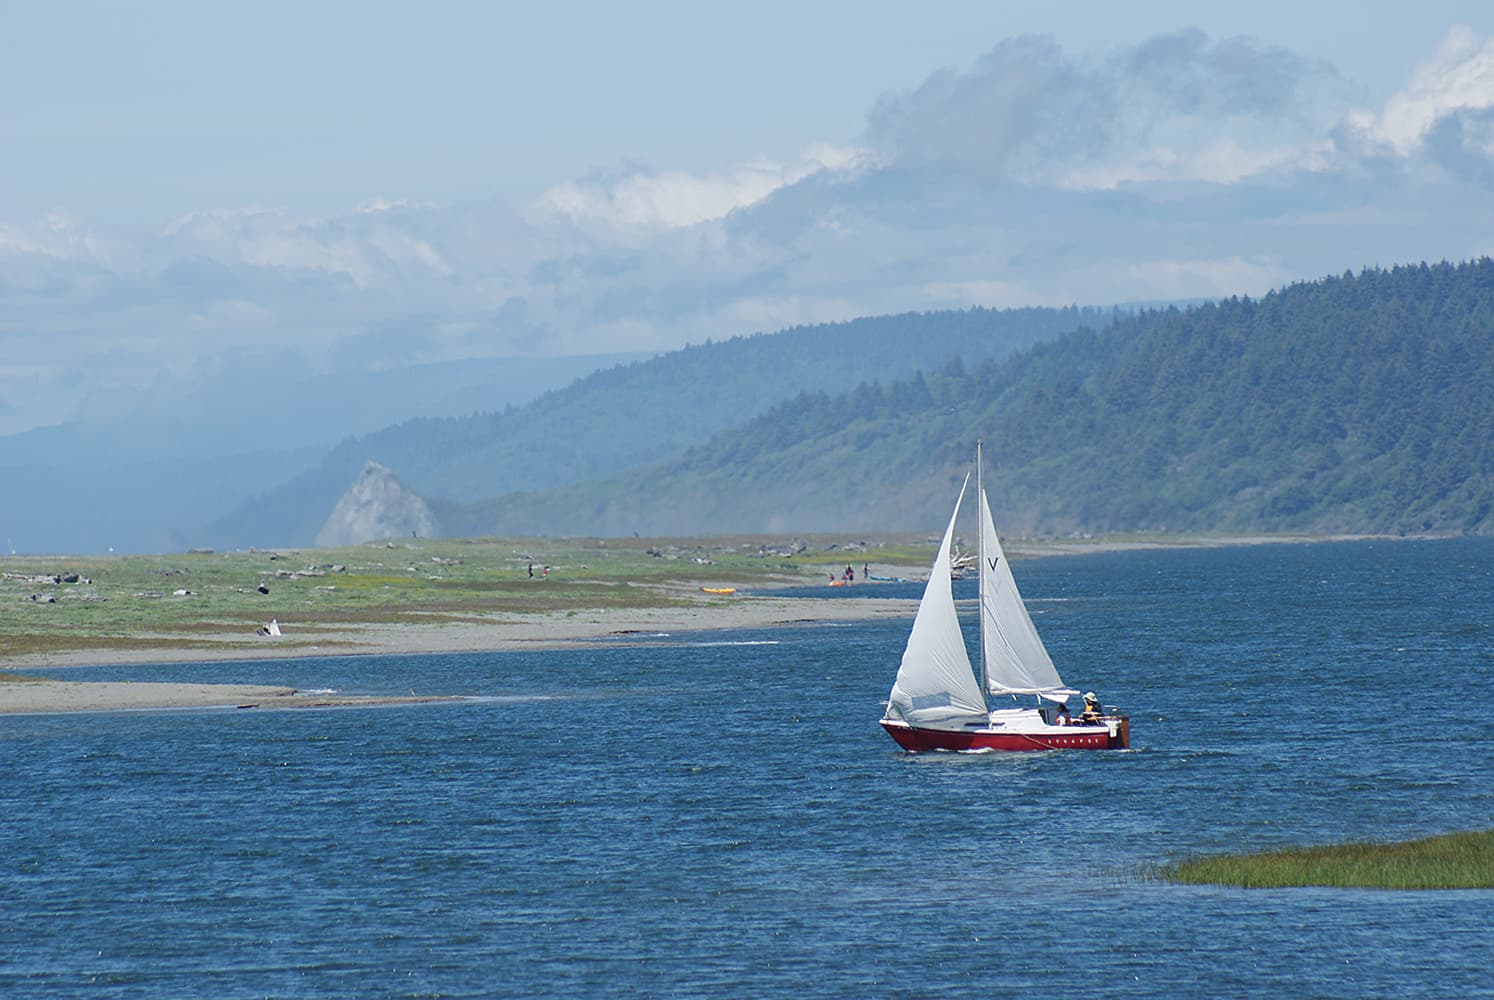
column 200, row 600
column 204, row 599
column 1451, row 861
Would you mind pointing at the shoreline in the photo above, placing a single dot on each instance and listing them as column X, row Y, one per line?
column 504, row 633
column 54, row 697
column 474, row 632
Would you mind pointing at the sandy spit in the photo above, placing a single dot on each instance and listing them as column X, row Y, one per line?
column 48, row 696
column 497, row 632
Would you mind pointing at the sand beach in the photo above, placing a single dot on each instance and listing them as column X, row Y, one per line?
column 501, row 631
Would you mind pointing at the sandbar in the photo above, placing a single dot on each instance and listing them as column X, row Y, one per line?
column 48, row 696
column 495, row 632
column 680, row 609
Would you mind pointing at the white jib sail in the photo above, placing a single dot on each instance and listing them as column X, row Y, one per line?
column 935, row 686
column 1016, row 661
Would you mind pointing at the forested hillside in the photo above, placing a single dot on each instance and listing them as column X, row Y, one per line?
column 646, row 412
column 1360, row 403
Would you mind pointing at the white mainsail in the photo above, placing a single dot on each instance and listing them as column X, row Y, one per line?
column 935, row 686
column 1015, row 660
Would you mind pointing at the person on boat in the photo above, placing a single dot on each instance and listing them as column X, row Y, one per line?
column 1092, row 710
column 1062, row 717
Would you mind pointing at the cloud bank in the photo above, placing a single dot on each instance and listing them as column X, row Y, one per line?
column 1182, row 167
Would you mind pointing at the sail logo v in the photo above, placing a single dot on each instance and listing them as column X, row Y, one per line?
column 992, row 563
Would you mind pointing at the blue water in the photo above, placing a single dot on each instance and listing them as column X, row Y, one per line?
column 720, row 815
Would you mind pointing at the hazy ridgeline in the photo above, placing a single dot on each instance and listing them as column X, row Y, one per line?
column 635, row 415
column 1362, row 403
column 1352, row 404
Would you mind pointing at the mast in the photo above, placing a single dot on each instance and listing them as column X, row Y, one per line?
column 980, row 576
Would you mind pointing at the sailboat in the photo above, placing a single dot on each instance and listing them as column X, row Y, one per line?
column 938, row 701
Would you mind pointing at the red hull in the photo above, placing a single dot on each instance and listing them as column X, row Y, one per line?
column 1082, row 738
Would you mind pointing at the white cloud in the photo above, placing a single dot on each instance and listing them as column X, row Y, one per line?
column 1180, row 168
column 1220, row 161
column 371, row 246
column 1177, row 107
column 1458, row 77
column 58, row 237
column 638, row 198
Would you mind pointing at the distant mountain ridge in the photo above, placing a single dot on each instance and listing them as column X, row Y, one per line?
column 637, row 414
column 144, row 471
column 1359, row 403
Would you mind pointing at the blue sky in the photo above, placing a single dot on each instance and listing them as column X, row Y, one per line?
column 190, row 188
column 132, row 114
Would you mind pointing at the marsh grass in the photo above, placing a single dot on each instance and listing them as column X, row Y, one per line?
column 1451, row 861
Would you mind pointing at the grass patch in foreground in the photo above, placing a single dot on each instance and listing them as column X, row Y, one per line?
column 1451, row 861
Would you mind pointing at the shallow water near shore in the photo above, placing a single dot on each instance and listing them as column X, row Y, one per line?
column 719, row 814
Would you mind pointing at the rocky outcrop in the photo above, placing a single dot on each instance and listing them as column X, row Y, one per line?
column 377, row 506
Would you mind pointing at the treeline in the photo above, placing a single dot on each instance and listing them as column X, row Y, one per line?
column 1359, row 403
